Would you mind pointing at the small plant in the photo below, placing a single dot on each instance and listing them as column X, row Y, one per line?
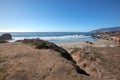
column 3, row 70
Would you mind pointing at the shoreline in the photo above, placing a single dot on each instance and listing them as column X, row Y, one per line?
column 69, row 46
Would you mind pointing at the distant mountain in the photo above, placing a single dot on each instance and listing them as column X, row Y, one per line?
column 111, row 29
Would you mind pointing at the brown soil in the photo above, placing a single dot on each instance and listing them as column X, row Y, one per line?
column 102, row 63
column 42, row 60
column 19, row 61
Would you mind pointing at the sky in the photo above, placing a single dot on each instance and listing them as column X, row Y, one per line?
column 58, row 15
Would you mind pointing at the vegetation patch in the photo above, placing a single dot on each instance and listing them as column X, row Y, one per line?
column 2, row 59
column 3, row 70
column 3, row 73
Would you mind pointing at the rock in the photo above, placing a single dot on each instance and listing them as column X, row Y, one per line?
column 89, row 60
column 41, row 44
column 23, row 62
column 6, row 36
column 89, row 42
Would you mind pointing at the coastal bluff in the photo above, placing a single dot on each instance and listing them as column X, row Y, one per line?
column 25, row 60
column 36, row 59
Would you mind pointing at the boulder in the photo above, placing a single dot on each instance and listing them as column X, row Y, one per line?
column 6, row 36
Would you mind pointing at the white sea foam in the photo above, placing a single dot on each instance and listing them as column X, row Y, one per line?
column 53, row 37
column 67, row 38
column 64, row 37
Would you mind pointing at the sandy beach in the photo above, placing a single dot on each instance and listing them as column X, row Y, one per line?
column 97, row 43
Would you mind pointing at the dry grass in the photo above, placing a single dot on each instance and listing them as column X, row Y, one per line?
column 110, row 59
column 3, row 73
column 19, row 61
column 41, row 44
column 22, row 62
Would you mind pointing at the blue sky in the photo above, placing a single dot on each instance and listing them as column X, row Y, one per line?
column 58, row 15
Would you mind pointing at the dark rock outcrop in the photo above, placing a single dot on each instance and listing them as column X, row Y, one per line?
column 89, row 42
column 41, row 44
column 113, row 36
column 6, row 36
column 1, row 41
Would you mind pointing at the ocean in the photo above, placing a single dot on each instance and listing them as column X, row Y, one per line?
column 56, row 37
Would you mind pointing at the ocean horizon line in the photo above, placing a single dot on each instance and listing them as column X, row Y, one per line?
column 42, row 31
column 53, row 36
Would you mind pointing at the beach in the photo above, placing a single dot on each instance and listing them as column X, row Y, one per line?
column 96, row 43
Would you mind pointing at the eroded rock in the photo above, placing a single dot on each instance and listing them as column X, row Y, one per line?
column 89, row 61
column 6, row 36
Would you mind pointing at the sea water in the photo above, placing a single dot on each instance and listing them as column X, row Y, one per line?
column 57, row 37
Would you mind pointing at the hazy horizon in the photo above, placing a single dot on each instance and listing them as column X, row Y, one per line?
column 58, row 15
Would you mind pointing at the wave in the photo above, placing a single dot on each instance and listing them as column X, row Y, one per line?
column 64, row 37
column 68, row 37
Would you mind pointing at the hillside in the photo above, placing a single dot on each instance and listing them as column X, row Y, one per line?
column 21, row 61
column 111, row 29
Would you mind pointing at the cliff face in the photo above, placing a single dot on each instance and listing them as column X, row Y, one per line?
column 112, row 34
